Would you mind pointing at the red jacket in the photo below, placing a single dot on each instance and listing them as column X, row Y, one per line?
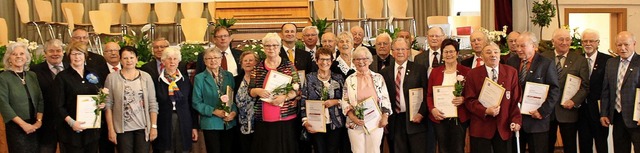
column 435, row 79
column 485, row 126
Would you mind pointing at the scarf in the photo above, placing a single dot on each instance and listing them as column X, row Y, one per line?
column 172, row 79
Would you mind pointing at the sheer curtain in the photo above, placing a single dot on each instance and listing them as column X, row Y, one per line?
column 421, row 9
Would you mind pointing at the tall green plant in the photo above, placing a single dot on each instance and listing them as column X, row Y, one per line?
column 542, row 14
column 322, row 25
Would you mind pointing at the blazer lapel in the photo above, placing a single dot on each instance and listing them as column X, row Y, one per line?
column 634, row 61
column 534, row 62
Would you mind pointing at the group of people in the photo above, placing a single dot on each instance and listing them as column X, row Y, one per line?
column 158, row 107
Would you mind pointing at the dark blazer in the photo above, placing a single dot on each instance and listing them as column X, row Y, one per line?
column 45, row 79
column 484, row 126
column 302, row 60
column 576, row 65
column 69, row 85
column 152, row 69
column 542, row 70
column 374, row 64
column 467, row 62
column 627, row 92
column 236, row 56
column 423, row 59
column 435, row 79
column 186, row 115
column 95, row 62
column 336, row 69
column 595, row 86
column 414, row 77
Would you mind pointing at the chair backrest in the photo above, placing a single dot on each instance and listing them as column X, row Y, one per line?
column 23, row 10
column 398, row 8
column 212, row 10
column 70, row 20
column 100, row 21
column 139, row 12
column 77, row 9
column 166, row 11
column 437, row 20
column 475, row 22
column 373, row 8
column 4, row 33
column 324, row 8
column 44, row 9
column 115, row 9
column 194, row 29
column 349, row 8
column 192, row 9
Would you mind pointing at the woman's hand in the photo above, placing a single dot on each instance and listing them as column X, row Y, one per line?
column 437, row 114
column 262, row 93
column 279, row 99
column 219, row 113
column 77, row 126
column 493, row 111
column 194, row 135
column 153, row 134
column 309, row 128
column 330, row 103
column 102, row 105
column 457, row 101
column 355, row 119
column 38, row 124
column 28, row 128
column 230, row 117
column 113, row 137
column 383, row 121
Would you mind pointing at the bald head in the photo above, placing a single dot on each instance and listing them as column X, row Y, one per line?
column 625, row 44
column 329, row 41
column 358, row 35
column 478, row 41
column 511, row 40
column 561, row 40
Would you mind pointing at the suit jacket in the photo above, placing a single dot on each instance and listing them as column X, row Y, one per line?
column 414, row 77
column 236, row 56
column 542, row 70
column 485, row 126
column 376, row 59
column 576, row 65
column 423, row 59
column 435, row 79
column 302, row 60
column 16, row 99
column 45, row 79
column 467, row 62
column 627, row 92
column 152, row 69
column 595, row 86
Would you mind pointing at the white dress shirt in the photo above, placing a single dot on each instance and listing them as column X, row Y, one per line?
column 119, row 66
column 403, row 104
column 231, row 62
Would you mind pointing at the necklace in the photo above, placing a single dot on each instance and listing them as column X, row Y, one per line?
column 21, row 78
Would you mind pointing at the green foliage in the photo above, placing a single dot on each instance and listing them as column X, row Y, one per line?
column 359, row 111
column 542, row 14
column 322, row 25
column 3, row 49
column 325, row 93
column 141, row 42
column 300, row 44
column 37, row 58
column 227, row 23
column 253, row 46
column 190, row 52
column 393, row 34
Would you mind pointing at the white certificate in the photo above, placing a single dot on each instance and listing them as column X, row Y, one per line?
column 85, row 107
column 372, row 114
column 274, row 80
column 416, row 97
column 571, row 87
column 302, row 76
column 315, row 115
column 534, row 96
column 636, row 114
column 491, row 93
column 442, row 100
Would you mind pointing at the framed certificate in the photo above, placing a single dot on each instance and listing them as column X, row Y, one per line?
column 372, row 114
column 85, row 107
column 636, row 114
column 442, row 100
column 274, row 80
column 571, row 87
column 491, row 93
column 316, row 115
column 416, row 97
column 535, row 94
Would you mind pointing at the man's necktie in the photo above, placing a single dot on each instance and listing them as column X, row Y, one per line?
column 523, row 72
column 621, row 72
column 398, row 88
column 224, row 60
column 56, row 69
column 559, row 63
column 478, row 62
column 291, row 56
column 435, row 61
column 115, row 69
column 495, row 75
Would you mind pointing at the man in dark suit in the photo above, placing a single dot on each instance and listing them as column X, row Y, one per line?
column 407, row 133
column 358, row 37
column 589, row 127
column 310, row 40
column 618, row 94
column 383, row 58
column 432, row 57
column 478, row 41
column 155, row 67
column 565, row 115
column 300, row 58
column 532, row 67
column 94, row 61
column 230, row 56
column 492, row 126
column 46, row 71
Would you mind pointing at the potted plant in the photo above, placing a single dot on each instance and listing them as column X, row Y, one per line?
column 542, row 14
column 322, row 25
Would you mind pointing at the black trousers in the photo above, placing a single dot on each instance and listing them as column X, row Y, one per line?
column 431, row 136
column 218, row 141
column 536, row 142
column 275, row 137
column 328, row 142
column 402, row 141
column 590, row 130
column 623, row 137
column 48, row 140
column 494, row 145
column 568, row 133
column 18, row 140
column 91, row 147
column 451, row 134
column 132, row 142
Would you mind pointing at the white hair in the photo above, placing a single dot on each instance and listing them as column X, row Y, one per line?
column 591, row 31
column 272, row 37
column 171, row 52
column 11, row 48
column 314, row 28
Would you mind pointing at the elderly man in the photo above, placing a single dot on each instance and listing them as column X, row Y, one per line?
column 478, row 40
column 511, row 42
column 532, row 67
column 383, row 48
column 566, row 110
column 407, row 36
column 618, row 94
column 112, row 56
column 589, row 127
column 406, row 134
column 432, row 57
column 329, row 41
column 46, row 71
column 358, row 37
column 230, row 56
column 310, row 39
column 155, row 67
column 300, row 58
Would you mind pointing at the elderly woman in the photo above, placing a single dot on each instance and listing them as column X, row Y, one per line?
column 343, row 64
column 275, row 118
column 450, row 131
column 244, row 101
column 132, row 108
column 360, row 86
column 21, row 102
column 325, row 86
column 176, row 121
column 210, row 99
column 71, row 82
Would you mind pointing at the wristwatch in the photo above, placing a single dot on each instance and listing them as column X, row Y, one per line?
column 153, row 126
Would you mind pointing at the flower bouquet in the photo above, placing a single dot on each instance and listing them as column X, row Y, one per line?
column 141, row 42
column 100, row 99
column 359, row 112
column 224, row 106
column 459, row 86
column 499, row 37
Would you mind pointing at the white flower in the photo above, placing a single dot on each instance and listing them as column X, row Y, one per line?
column 246, row 45
column 133, row 33
column 460, row 78
column 145, row 28
column 195, row 53
column 105, row 91
column 296, row 86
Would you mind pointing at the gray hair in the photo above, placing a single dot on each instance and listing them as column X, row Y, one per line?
column 171, row 52
column 406, row 42
column 591, row 31
column 11, row 48
column 53, row 43
column 531, row 37
column 314, row 28
column 272, row 37
column 439, row 28
column 384, row 34
column 558, row 31
column 363, row 51
column 345, row 35
column 491, row 43
column 212, row 50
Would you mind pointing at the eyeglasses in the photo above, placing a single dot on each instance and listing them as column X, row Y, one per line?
column 310, row 35
column 111, row 50
column 80, row 37
column 159, row 47
column 222, row 36
column 324, row 59
column 271, row 46
column 360, row 59
column 590, row 41
column 383, row 44
column 400, row 49
column 76, row 54
column 212, row 58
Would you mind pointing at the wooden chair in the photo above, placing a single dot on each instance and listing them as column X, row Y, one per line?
column 398, row 11
column 475, row 22
column 4, row 33
column 166, row 14
column 192, row 9
column 325, row 10
column 456, row 22
column 349, row 10
column 138, row 13
column 70, row 21
column 25, row 17
column 77, row 9
column 101, row 26
column 115, row 9
column 373, row 10
column 211, row 6
column 194, row 29
column 437, row 20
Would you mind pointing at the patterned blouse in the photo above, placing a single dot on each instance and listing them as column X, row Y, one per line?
column 245, row 105
column 258, row 75
column 312, row 90
column 349, row 97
